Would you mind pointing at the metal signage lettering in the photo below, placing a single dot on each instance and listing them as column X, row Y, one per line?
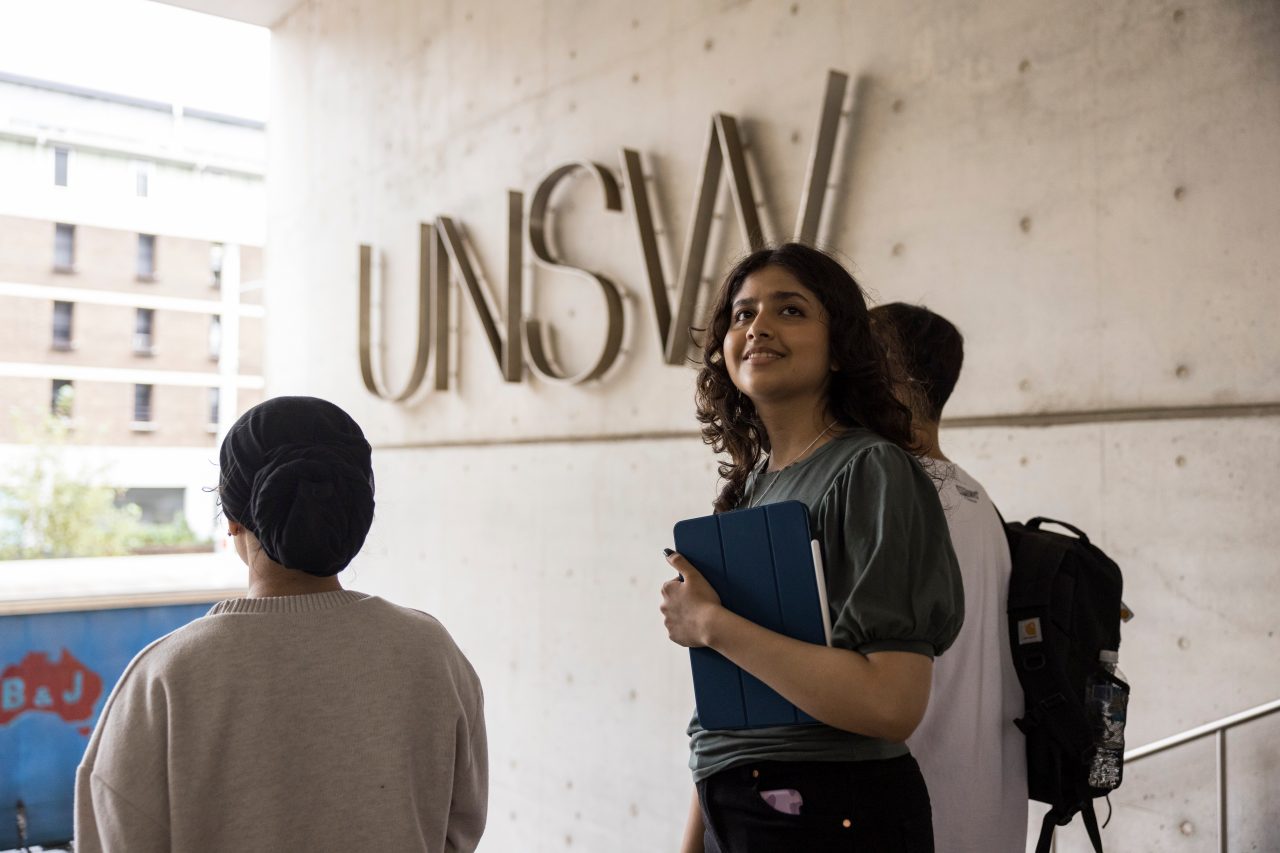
column 444, row 257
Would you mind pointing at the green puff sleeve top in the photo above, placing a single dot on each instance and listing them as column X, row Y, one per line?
column 892, row 578
column 893, row 583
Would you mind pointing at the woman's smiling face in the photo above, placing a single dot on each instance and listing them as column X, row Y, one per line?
column 778, row 343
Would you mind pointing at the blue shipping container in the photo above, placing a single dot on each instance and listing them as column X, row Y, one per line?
column 56, row 671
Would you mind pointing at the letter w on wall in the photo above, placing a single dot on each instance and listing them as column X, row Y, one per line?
column 724, row 151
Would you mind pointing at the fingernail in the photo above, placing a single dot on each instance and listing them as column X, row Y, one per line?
column 667, row 552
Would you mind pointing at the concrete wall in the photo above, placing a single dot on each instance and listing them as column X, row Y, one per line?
column 1088, row 190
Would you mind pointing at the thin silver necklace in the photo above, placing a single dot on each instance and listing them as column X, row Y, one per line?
column 755, row 502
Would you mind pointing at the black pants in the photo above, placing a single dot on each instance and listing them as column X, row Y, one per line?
column 862, row 806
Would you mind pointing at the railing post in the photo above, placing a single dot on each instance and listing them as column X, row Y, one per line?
column 1221, row 739
column 1219, row 731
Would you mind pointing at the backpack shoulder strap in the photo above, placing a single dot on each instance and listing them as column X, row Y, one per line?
column 1056, row 817
column 1091, row 825
column 1047, row 826
column 1039, row 560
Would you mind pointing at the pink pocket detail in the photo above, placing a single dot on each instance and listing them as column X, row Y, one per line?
column 785, row 800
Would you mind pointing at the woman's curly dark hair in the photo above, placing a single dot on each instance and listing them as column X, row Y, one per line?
column 860, row 393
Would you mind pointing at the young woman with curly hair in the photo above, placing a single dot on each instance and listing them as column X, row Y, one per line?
column 798, row 393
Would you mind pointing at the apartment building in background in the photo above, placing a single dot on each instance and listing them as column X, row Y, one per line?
column 131, row 286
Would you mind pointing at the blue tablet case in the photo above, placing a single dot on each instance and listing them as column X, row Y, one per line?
column 760, row 562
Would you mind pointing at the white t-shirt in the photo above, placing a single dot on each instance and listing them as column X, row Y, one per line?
column 971, row 754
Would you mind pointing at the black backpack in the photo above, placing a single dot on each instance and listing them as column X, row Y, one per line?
column 1064, row 608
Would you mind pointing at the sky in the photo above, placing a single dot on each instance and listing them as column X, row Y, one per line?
column 140, row 48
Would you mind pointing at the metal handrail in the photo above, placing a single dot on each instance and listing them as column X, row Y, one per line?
column 1202, row 731
column 1219, row 730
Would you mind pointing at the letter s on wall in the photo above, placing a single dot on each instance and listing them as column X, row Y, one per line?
column 539, row 336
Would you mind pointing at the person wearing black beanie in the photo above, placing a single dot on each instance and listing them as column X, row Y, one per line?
column 297, row 476
column 303, row 716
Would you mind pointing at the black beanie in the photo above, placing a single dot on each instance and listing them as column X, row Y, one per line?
column 297, row 473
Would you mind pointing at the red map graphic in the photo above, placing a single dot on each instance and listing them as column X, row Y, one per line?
column 67, row 688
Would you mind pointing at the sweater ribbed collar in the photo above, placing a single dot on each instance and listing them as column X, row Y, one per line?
column 290, row 603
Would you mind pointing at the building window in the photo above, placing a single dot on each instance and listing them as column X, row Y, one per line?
column 215, row 337
column 146, row 257
column 142, row 179
column 61, row 158
column 63, row 394
column 215, row 264
column 156, row 506
column 215, row 403
column 142, row 404
column 144, row 332
column 64, row 248
column 62, row 314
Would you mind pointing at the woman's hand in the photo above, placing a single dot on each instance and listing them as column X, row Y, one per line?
column 883, row 694
column 688, row 606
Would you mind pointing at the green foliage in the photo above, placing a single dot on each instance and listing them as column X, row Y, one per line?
column 49, row 510
column 175, row 534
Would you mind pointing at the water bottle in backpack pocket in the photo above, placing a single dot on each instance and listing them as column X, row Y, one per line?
column 1107, row 701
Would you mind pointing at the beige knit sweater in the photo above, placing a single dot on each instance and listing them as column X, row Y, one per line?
column 328, row 722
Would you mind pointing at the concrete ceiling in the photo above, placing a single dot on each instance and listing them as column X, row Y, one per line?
column 264, row 13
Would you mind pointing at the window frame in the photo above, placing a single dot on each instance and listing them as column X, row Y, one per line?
column 65, row 343
column 214, row 407
column 215, row 337
column 144, row 404
column 143, row 172
column 217, row 257
column 64, row 247
column 147, row 273
column 61, row 166
column 63, row 410
column 144, row 333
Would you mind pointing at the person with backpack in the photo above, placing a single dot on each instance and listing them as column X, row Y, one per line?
column 971, row 753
